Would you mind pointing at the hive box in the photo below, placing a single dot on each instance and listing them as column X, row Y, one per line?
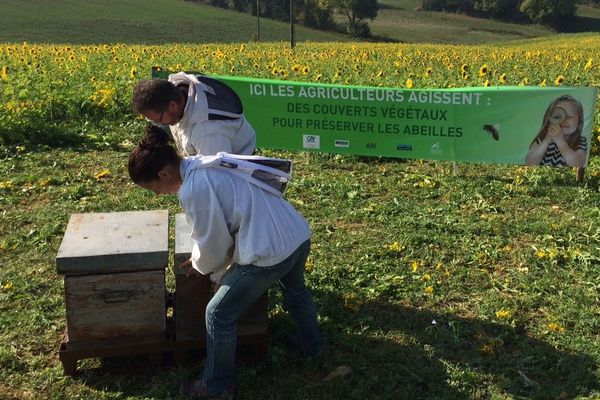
column 114, row 272
column 194, row 292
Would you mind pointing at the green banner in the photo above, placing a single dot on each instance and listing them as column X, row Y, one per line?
column 478, row 124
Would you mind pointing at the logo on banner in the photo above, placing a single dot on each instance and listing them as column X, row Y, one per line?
column 311, row 141
column 342, row 143
column 404, row 147
column 435, row 148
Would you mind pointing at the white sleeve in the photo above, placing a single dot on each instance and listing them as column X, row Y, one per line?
column 209, row 143
column 212, row 242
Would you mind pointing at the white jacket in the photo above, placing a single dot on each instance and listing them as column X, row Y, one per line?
column 234, row 220
column 197, row 134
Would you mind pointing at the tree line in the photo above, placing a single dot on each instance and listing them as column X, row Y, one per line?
column 319, row 14
column 553, row 13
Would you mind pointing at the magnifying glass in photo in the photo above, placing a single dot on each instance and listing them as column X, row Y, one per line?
column 558, row 115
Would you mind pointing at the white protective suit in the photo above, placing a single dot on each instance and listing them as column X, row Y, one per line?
column 199, row 133
column 235, row 217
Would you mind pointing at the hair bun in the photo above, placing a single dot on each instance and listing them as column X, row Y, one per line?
column 154, row 137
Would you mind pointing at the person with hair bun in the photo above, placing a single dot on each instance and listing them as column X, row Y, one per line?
column 236, row 220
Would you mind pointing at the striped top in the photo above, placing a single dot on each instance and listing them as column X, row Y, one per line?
column 553, row 158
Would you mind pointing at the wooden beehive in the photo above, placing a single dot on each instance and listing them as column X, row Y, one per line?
column 194, row 292
column 114, row 271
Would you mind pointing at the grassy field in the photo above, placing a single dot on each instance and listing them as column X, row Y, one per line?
column 138, row 21
column 430, row 285
column 177, row 21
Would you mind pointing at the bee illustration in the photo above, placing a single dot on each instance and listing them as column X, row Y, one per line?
column 492, row 130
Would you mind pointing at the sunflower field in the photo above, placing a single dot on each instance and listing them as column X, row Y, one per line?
column 43, row 86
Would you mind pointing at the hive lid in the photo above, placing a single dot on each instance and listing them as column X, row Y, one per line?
column 100, row 243
column 183, row 242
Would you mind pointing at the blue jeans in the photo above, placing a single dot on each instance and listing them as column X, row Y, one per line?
column 240, row 289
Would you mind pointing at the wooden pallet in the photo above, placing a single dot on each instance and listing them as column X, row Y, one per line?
column 153, row 347
column 160, row 350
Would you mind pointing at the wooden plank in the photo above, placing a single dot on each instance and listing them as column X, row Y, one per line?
column 191, row 296
column 153, row 347
column 101, row 243
column 113, row 344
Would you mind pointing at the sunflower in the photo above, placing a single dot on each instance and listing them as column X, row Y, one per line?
column 559, row 80
column 484, row 70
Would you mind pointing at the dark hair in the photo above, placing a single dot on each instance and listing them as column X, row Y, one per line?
column 152, row 154
column 154, row 94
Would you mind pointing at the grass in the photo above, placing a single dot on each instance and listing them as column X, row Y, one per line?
column 479, row 285
column 138, row 22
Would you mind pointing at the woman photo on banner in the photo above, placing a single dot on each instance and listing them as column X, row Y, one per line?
column 560, row 142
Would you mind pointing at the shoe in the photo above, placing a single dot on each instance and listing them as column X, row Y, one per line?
column 197, row 390
column 293, row 343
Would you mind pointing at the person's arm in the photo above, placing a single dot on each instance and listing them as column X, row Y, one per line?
column 537, row 151
column 573, row 158
column 212, row 242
